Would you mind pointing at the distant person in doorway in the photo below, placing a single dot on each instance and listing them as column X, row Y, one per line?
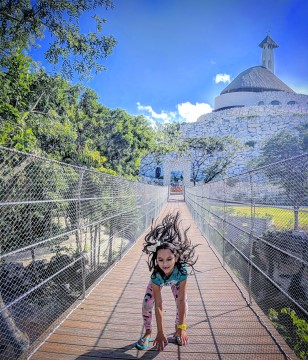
column 170, row 253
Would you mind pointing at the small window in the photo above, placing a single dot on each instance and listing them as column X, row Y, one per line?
column 292, row 102
column 275, row 102
column 250, row 143
column 261, row 103
column 157, row 172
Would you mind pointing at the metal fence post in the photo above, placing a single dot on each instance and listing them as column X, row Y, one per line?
column 146, row 220
column 121, row 221
column 208, row 218
column 81, row 252
column 251, row 241
column 224, row 225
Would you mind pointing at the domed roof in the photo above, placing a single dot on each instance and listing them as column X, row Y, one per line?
column 256, row 79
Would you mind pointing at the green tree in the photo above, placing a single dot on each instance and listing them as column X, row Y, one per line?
column 293, row 328
column 167, row 139
column 87, row 119
column 11, row 333
column 291, row 176
column 36, row 109
column 53, row 102
column 42, row 113
column 209, row 156
column 123, row 139
column 24, row 22
column 16, row 85
column 284, row 145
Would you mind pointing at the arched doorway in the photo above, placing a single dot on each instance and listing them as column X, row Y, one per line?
column 178, row 170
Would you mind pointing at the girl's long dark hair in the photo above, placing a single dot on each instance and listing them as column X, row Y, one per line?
column 167, row 235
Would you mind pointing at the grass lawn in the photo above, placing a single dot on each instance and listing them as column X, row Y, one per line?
column 282, row 218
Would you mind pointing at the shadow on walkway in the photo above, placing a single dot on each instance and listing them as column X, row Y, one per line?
column 120, row 353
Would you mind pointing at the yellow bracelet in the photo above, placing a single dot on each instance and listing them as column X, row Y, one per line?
column 182, row 326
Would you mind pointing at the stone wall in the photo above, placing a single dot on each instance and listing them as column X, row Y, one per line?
column 169, row 163
column 251, row 125
column 266, row 110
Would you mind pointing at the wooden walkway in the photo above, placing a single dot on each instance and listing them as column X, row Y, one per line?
column 220, row 323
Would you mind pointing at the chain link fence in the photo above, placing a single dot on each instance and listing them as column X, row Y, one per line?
column 61, row 227
column 257, row 223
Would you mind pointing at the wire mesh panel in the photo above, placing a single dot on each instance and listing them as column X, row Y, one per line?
column 258, row 224
column 61, row 227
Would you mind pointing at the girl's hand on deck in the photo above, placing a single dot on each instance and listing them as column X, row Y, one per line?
column 181, row 336
column 160, row 341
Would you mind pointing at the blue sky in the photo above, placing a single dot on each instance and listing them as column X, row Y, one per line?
column 171, row 53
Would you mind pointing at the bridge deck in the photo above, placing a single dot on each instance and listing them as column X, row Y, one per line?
column 220, row 323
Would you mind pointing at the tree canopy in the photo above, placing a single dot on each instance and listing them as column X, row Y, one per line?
column 49, row 116
column 284, row 145
column 291, row 175
column 24, row 22
column 209, row 156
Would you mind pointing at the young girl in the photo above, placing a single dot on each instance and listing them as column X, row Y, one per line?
column 170, row 252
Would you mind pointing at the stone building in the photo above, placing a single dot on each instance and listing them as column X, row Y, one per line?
column 252, row 108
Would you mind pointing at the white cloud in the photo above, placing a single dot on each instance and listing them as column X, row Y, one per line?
column 225, row 78
column 191, row 112
column 185, row 112
column 152, row 116
column 147, row 108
